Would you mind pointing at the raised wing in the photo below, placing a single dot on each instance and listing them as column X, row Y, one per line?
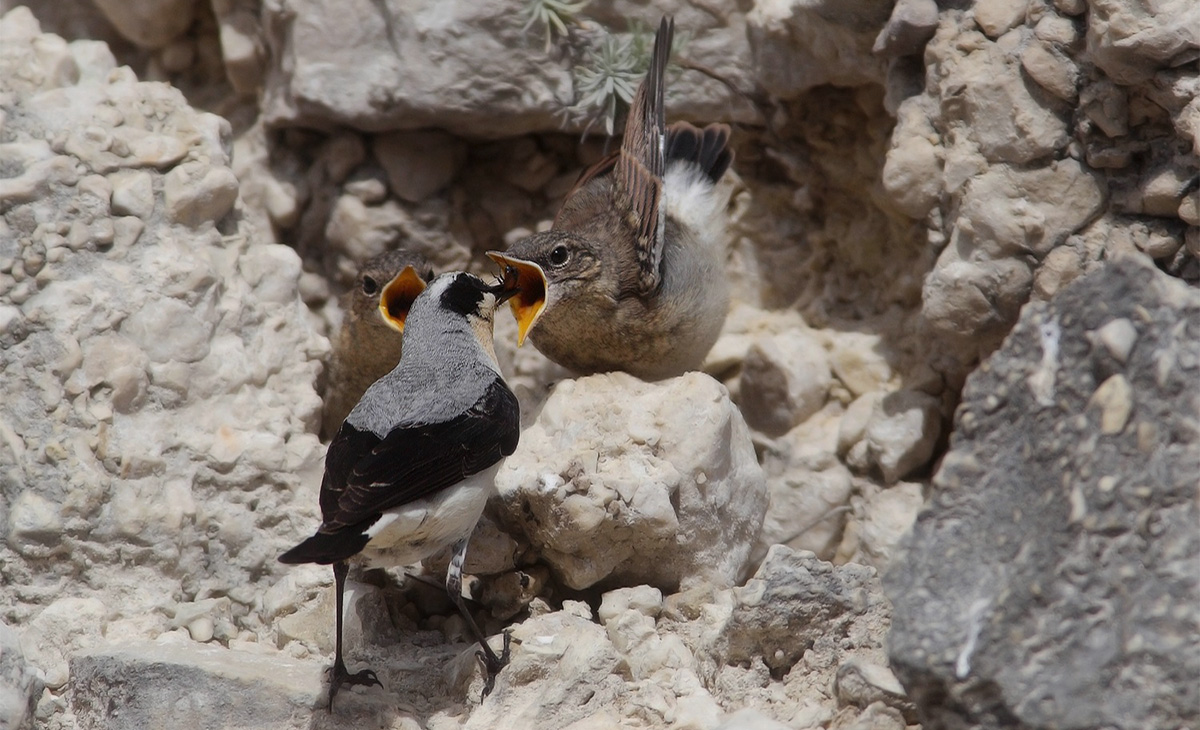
column 640, row 163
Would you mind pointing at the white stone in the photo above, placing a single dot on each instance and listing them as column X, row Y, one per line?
column 860, row 362
column 646, row 600
column 621, row 481
column 148, row 23
column 1118, row 337
column 900, row 435
column 133, row 193
column 785, row 379
column 20, row 687
column 1053, row 72
column 997, row 17
column 34, row 522
column 418, row 164
column 195, row 193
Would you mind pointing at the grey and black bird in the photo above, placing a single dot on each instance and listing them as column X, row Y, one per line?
column 412, row 466
column 631, row 275
column 369, row 342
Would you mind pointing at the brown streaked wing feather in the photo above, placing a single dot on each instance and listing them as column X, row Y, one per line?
column 640, row 163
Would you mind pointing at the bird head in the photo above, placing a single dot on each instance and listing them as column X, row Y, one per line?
column 388, row 284
column 534, row 264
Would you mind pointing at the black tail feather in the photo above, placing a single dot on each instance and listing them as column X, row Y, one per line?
column 327, row 548
column 708, row 147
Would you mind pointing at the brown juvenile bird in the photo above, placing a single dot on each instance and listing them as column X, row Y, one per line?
column 632, row 274
column 368, row 345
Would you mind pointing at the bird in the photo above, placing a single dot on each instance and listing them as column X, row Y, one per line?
column 369, row 342
column 410, row 469
column 630, row 276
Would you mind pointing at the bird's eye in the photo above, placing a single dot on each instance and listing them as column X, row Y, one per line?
column 559, row 255
column 369, row 285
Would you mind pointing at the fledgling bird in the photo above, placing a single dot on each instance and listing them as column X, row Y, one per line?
column 631, row 274
column 369, row 342
column 410, row 469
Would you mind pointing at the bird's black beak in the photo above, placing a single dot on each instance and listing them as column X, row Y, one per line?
column 529, row 281
column 504, row 290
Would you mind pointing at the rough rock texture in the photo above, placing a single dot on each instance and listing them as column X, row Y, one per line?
column 20, row 687
column 1037, row 148
column 158, row 369
column 621, row 482
column 143, row 686
column 1054, row 580
column 907, row 177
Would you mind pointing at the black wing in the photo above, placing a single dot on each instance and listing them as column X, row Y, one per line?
column 365, row 475
column 417, row 461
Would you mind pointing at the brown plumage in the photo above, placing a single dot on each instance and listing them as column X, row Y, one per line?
column 631, row 276
column 368, row 345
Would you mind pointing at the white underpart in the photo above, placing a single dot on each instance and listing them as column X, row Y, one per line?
column 414, row 531
column 693, row 200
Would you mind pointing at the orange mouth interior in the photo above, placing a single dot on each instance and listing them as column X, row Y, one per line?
column 530, row 281
column 398, row 296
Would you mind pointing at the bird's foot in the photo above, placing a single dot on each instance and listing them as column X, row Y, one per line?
column 493, row 663
column 339, row 675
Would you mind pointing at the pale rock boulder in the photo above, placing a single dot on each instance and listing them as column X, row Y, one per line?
column 1002, row 118
column 799, row 618
column 176, row 683
column 158, row 443
column 1024, row 154
column 899, row 435
column 380, row 68
column 998, row 218
column 808, row 488
column 418, row 164
column 785, row 379
column 997, row 17
column 798, row 45
column 563, row 670
column 1130, row 41
column 910, row 25
column 149, row 23
column 878, row 521
column 621, row 481
column 20, row 686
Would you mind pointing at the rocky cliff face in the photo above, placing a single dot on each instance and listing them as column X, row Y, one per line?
column 696, row 553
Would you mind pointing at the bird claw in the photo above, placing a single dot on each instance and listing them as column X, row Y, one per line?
column 339, row 676
column 492, row 664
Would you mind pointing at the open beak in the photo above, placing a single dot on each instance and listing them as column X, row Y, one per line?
column 527, row 282
column 398, row 296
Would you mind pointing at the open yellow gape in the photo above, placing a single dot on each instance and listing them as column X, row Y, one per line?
column 398, row 295
column 530, row 280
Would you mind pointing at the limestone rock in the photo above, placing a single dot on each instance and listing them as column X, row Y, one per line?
column 375, row 68
column 419, row 164
column 157, row 685
column 622, row 481
column 148, row 23
column 788, row 36
column 1066, row 504
column 20, row 686
column 785, row 379
column 795, row 604
column 911, row 24
column 156, row 371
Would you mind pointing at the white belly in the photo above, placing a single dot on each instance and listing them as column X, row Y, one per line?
column 414, row 531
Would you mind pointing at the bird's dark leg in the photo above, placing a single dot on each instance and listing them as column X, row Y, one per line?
column 339, row 675
column 492, row 664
